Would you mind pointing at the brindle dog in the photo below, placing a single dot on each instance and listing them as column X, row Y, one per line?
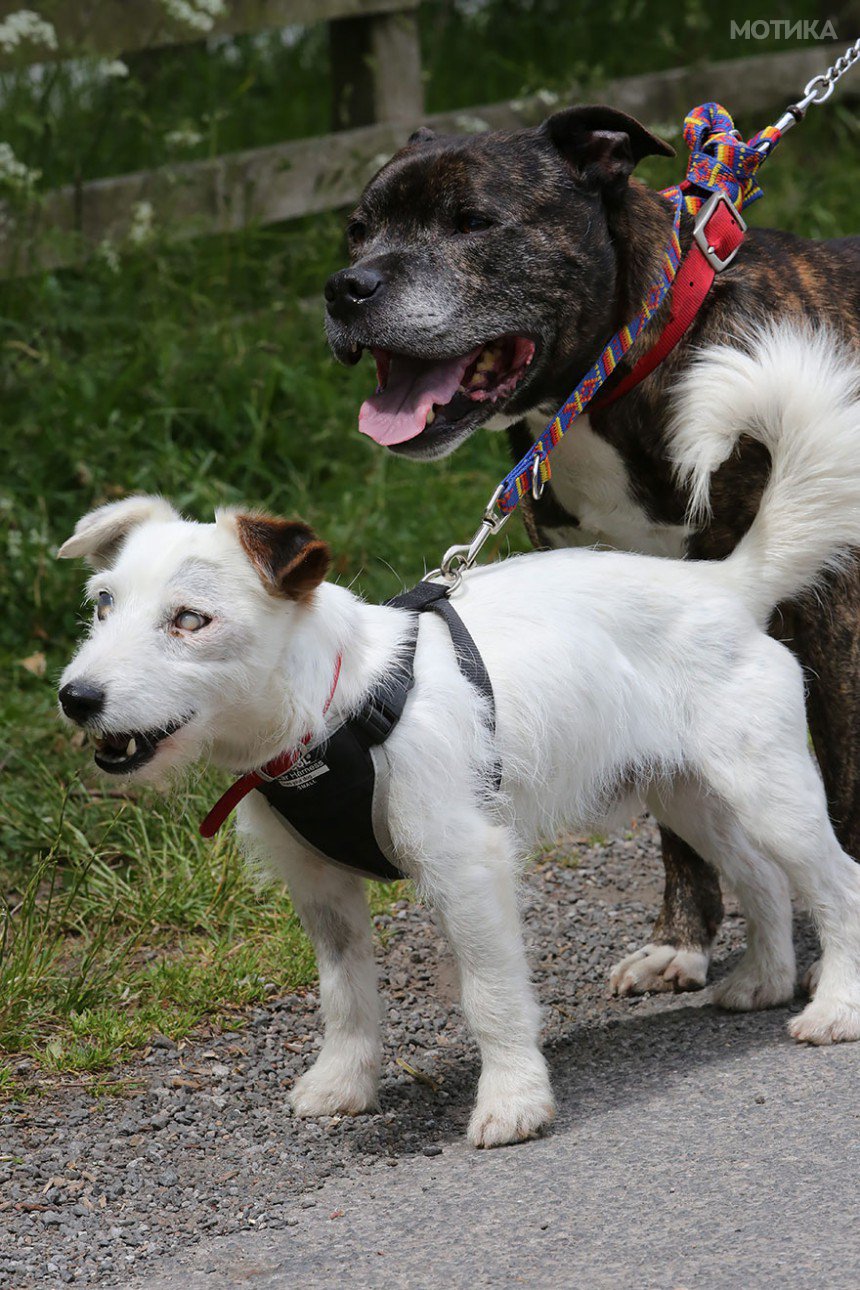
column 487, row 273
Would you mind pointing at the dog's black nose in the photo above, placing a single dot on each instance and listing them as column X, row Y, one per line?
column 351, row 287
column 81, row 701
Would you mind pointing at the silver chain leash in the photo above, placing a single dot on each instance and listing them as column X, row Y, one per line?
column 827, row 80
column 816, row 91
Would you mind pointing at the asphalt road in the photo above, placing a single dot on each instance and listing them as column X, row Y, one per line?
column 691, row 1150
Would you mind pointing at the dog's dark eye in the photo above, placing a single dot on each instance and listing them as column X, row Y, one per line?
column 356, row 230
column 188, row 620
column 472, row 223
column 104, row 604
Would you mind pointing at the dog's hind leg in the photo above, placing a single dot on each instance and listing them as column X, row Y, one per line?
column 332, row 906
column 474, row 894
column 766, row 974
column 790, row 823
column 761, row 776
column 792, row 827
column 825, row 635
column 678, row 956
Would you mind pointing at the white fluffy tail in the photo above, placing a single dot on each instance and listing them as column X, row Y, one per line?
column 797, row 390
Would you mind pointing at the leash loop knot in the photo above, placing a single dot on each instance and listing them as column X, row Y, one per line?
column 720, row 160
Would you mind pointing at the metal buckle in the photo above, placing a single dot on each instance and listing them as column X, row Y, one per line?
column 701, row 225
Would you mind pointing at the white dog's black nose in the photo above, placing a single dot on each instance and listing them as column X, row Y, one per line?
column 81, row 701
column 350, row 288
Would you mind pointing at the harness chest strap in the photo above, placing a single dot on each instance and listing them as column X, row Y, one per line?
column 273, row 769
column 333, row 798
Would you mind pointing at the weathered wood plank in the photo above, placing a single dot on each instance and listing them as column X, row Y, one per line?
column 265, row 185
column 113, row 27
column 375, row 70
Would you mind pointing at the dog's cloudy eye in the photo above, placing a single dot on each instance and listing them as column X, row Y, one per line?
column 104, row 604
column 356, row 230
column 471, row 223
column 188, row 620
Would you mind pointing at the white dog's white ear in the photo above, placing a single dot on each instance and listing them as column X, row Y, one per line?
column 99, row 534
column 288, row 555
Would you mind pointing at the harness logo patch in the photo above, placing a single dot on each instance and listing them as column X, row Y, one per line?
column 303, row 775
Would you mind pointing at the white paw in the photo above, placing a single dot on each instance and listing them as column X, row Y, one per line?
column 507, row 1111
column 811, row 978
column 827, row 1022
column 755, row 984
column 659, row 967
column 329, row 1091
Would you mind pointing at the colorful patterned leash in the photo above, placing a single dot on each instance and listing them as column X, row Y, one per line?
column 720, row 181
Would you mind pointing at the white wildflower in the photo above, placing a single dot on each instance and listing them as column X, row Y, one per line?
column 26, row 25
column 114, row 70
column 547, row 98
column 108, row 254
column 665, row 129
column 142, row 223
column 186, row 137
column 471, row 124
column 199, row 15
column 13, row 173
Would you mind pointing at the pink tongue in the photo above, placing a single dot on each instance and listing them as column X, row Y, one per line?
column 400, row 411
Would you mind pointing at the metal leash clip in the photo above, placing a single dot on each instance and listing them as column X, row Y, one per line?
column 538, row 484
column 816, row 91
column 457, row 559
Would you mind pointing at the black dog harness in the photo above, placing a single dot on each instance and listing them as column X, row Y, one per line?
column 334, row 798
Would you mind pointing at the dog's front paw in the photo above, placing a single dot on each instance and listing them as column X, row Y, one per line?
column 755, row 984
column 328, row 1091
column 508, row 1111
column 659, row 967
column 827, row 1022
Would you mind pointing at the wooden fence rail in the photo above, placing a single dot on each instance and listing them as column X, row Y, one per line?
column 114, row 27
column 376, row 64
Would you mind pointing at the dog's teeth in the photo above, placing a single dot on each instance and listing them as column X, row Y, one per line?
column 131, row 747
column 431, row 417
column 486, row 362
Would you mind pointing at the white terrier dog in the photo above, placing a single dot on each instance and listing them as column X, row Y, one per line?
column 617, row 678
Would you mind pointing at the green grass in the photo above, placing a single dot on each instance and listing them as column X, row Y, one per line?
column 202, row 371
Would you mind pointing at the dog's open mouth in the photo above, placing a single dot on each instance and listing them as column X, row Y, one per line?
column 120, row 754
column 413, row 392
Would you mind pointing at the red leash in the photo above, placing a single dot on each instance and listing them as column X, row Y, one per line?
column 272, row 770
column 718, row 232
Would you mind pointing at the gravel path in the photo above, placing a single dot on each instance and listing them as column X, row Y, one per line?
column 103, row 1191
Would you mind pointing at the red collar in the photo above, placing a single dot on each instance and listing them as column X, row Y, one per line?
column 717, row 235
column 272, row 770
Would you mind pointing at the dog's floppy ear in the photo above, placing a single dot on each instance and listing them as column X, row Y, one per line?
column 422, row 135
column 99, row 535
column 288, row 555
column 602, row 144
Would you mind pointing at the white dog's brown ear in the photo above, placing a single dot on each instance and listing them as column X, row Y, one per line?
column 288, row 555
column 99, row 534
